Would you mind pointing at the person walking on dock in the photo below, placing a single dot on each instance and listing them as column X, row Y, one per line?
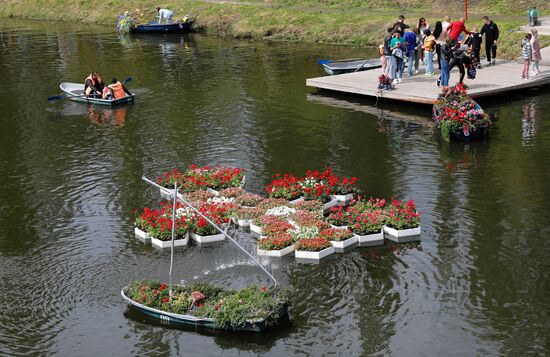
column 536, row 56
column 387, row 66
column 429, row 48
column 411, row 41
column 526, row 55
column 474, row 40
column 490, row 29
column 456, row 28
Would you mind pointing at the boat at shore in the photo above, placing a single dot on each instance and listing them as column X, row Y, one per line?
column 155, row 27
column 335, row 67
column 75, row 92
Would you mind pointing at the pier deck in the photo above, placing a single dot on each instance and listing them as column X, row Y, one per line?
column 493, row 80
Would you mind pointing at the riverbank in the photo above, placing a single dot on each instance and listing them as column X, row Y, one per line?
column 349, row 22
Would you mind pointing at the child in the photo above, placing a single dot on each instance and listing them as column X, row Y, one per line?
column 429, row 47
column 526, row 55
column 474, row 40
column 536, row 57
column 398, row 55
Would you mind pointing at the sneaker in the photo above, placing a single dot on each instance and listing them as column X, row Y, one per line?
column 395, row 81
column 494, row 62
column 439, row 82
column 416, row 71
column 488, row 64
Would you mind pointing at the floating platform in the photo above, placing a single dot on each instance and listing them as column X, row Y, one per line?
column 504, row 77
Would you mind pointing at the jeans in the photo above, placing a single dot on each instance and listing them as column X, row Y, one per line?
column 393, row 67
column 412, row 56
column 445, row 72
column 535, row 69
column 399, row 66
column 429, row 57
column 401, row 62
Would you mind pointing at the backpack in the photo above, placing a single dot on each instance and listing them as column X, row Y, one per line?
column 471, row 72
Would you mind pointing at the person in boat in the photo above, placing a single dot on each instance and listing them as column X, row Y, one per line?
column 115, row 90
column 165, row 14
column 93, row 85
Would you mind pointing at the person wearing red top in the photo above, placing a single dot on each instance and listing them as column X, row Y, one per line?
column 456, row 28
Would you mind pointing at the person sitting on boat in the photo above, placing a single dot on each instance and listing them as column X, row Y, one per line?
column 165, row 14
column 93, row 85
column 115, row 90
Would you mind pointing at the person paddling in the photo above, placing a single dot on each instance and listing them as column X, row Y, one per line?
column 116, row 90
column 165, row 14
column 93, row 85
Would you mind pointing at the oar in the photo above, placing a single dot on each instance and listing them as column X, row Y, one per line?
column 361, row 66
column 50, row 99
column 325, row 61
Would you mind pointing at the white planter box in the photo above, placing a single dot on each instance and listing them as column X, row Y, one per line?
column 212, row 191
column 403, row 235
column 167, row 244
column 344, row 243
column 314, row 255
column 141, row 235
column 371, row 240
column 327, row 206
column 276, row 253
column 256, row 229
column 298, row 200
column 338, row 227
column 207, row 239
column 243, row 182
column 243, row 222
column 343, row 198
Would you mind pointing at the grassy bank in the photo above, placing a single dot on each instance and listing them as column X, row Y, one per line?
column 350, row 22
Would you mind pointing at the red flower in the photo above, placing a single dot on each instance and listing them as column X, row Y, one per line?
column 264, row 288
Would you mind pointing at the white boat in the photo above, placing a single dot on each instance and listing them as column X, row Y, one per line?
column 76, row 92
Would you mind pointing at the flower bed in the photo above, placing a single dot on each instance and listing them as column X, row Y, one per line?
column 195, row 178
column 367, row 227
column 157, row 226
column 456, row 113
column 339, row 238
column 313, row 248
column 204, row 232
column 402, row 222
column 229, row 309
column 278, row 245
column 338, row 217
column 285, row 186
column 248, row 200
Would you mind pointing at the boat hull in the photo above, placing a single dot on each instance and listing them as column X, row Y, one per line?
column 75, row 92
column 477, row 134
column 333, row 68
column 164, row 28
column 176, row 320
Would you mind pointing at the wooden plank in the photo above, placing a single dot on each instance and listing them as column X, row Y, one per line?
column 493, row 80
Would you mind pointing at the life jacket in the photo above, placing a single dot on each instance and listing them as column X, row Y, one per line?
column 118, row 91
column 87, row 89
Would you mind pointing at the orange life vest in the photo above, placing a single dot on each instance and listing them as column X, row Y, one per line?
column 88, row 90
column 118, row 91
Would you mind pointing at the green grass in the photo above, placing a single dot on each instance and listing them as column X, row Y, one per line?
column 350, row 22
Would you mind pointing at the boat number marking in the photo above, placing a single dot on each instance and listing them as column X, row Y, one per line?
column 164, row 319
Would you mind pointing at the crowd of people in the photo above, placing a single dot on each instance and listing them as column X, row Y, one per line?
column 95, row 88
column 448, row 44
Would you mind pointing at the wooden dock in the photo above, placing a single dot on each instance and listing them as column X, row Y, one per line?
column 501, row 78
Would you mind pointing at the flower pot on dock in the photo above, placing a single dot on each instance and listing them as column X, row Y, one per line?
column 402, row 235
column 141, row 235
column 167, row 244
column 276, row 253
column 207, row 239
column 303, row 254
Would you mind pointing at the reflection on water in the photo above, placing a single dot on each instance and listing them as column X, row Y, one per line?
column 476, row 284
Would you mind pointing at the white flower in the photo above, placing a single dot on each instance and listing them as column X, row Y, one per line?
column 220, row 200
column 280, row 211
column 180, row 212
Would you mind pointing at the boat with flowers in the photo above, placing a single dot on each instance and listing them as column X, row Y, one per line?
column 458, row 116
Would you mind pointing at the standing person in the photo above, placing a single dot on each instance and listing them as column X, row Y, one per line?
column 446, row 22
column 456, row 28
column 462, row 59
column 526, row 55
column 387, row 52
column 400, row 24
column 490, row 29
column 440, row 38
column 474, row 40
column 397, row 57
column 536, row 56
column 446, row 58
column 529, row 18
column 429, row 47
column 411, row 40
column 534, row 16
column 165, row 14
column 421, row 28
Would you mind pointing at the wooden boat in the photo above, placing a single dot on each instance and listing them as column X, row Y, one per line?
column 75, row 92
column 155, row 27
column 178, row 320
column 349, row 66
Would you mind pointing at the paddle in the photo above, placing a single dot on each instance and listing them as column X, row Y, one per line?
column 51, row 99
column 325, row 61
column 361, row 66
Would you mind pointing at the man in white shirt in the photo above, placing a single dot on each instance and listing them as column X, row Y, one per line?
column 446, row 22
column 165, row 14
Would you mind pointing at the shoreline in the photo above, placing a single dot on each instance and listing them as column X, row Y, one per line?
column 266, row 21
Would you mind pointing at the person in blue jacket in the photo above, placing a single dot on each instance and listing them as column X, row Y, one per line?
column 410, row 40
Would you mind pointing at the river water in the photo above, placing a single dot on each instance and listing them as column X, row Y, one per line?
column 477, row 283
